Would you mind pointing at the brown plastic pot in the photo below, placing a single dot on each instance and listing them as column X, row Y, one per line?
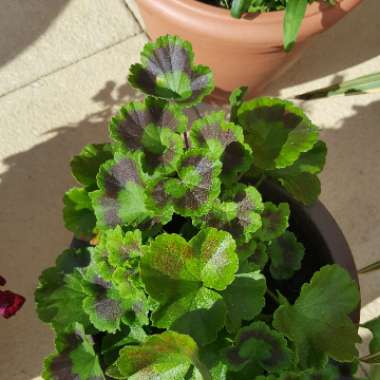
column 241, row 52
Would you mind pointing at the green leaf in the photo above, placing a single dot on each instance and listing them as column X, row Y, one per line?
column 117, row 249
column 275, row 220
column 167, row 356
column 238, row 213
column 252, row 255
column 374, row 327
column 167, row 71
column 286, row 254
column 78, row 214
column 259, row 344
column 225, row 140
column 367, row 84
column 86, row 165
column 152, row 127
column 238, row 7
column 111, row 303
column 244, row 299
column 318, row 322
column 61, row 286
column 277, row 131
column 236, row 100
column 198, row 185
column 75, row 358
column 183, row 278
column 328, row 373
column 121, row 198
column 294, row 14
column 300, row 179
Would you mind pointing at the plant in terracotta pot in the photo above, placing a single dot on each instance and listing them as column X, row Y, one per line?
column 248, row 51
column 187, row 262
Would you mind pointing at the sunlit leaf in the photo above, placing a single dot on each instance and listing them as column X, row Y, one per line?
column 167, row 71
column 183, row 278
column 75, row 357
column 294, row 14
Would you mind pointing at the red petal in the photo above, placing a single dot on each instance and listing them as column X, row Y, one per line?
column 10, row 303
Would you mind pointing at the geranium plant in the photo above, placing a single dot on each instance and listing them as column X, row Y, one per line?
column 294, row 12
column 177, row 278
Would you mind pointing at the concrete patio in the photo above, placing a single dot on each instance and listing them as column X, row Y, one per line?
column 63, row 68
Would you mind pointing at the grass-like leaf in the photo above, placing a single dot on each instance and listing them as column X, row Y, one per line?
column 294, row 14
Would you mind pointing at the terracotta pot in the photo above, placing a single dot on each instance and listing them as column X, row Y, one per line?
column 241, row 52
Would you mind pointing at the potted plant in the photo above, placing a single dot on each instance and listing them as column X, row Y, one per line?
column 195, row 257
column 247, row 51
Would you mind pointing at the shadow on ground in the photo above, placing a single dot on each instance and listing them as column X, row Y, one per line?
column 352, row 41
column 22, row 22
column 31, row 226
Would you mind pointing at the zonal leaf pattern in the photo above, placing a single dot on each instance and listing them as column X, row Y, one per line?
column 60, row 286
column 225, row 140
column 86, row 165
column 244, row 298
column 117, row 249
column 286, row 254
column 78, row 214
column 275, row 220
column 121, row 198
column 261, row 345
column 252, row 255
column 198, row 185
column 183, row 278
column 318, row 322
column 153, row 127
column 238, row 213
column 109, row 303
column 167, row 71
column 277, row 131
column 75, row 357
column 167, row 356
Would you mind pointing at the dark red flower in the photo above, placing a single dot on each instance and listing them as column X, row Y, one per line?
column 10, row 302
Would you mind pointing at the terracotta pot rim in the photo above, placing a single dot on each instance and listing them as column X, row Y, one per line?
column 268, row 17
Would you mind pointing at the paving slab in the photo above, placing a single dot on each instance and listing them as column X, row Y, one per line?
column 38, row 37
column 44, row 125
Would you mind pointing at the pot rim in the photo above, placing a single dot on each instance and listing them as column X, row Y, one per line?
column 213, row 11
column 209, row 22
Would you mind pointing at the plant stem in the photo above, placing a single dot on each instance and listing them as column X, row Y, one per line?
column 187, row 144
column 273, row 296
column 260, row 180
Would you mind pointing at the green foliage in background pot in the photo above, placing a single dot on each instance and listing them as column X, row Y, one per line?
column 143, row 302
column 294, row 12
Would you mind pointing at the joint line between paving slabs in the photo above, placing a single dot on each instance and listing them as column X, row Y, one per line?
column 70, row 64
column 133, row 15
